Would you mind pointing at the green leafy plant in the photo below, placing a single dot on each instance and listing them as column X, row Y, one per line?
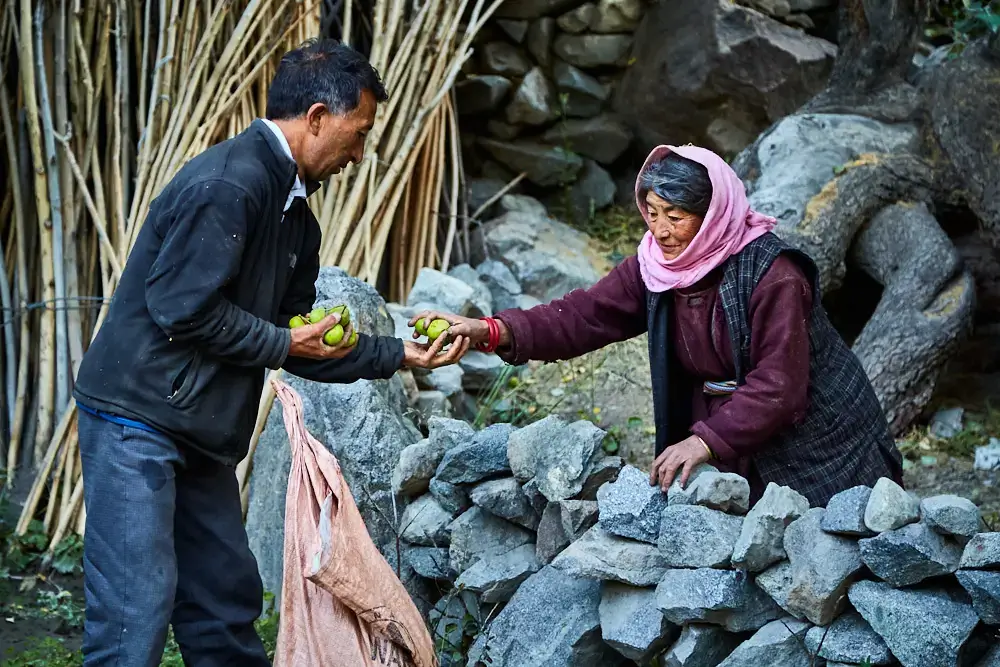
column 979, row 18
column 59, row 605
column 454, row 638
column 46, row 652
column 962, row 21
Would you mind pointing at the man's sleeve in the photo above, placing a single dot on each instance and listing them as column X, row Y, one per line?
column 373, row 358
column 201, row 252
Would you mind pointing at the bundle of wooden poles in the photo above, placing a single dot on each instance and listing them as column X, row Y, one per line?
column 102, row 101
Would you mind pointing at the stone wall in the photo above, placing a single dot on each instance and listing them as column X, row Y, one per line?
column 577, row 561
column 574, row 93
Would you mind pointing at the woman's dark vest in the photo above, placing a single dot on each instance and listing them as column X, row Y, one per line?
column 844, row 438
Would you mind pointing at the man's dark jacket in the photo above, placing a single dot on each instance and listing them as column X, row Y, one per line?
column 203, row 304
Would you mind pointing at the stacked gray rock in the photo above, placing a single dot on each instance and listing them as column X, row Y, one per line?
column 472, row 518
column 690, row 578
column 541, row 88
column 549, row 92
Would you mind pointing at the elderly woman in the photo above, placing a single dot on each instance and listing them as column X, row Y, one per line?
column 748, row 373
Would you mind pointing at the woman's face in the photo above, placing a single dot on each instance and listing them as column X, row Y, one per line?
column 673, row 228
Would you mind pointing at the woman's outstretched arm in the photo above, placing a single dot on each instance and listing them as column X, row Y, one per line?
column 612, row 310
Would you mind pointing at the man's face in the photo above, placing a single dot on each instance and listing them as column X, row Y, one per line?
column 335, row 140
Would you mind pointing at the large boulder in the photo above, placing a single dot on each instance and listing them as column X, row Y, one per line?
column 547, row 257
column 902, row 618
column 699, row 62
column 822, row 568
column 796, row 158
column 631, row 622
column 909, row 555
column 777, row 643
column 522, row 634
column 559, row 455
column 631, row 507
column 362, row 423
column 700, row 645
column 721, row 597
column 545, row 166
column 761, row 541
column 598, row 555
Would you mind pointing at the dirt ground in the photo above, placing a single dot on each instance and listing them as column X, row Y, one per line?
column 23, row 621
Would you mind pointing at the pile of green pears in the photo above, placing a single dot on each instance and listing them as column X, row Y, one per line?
column 333, row 336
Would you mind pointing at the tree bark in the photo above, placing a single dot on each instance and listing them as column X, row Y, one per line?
column 877, row 41
column 964, row 99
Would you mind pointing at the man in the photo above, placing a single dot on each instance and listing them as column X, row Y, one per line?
column 169, row 389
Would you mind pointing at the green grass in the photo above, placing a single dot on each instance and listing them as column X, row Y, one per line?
column 51, row 652
column 616, row 229
column 47, row 652
column 978, row 427
column 511, row 399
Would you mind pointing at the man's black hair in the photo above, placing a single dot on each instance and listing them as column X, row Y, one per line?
column 321, row 70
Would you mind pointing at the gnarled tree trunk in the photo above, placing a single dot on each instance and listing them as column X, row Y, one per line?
column 860, row 174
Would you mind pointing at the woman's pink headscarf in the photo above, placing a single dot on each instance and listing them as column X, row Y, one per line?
column 729, row 225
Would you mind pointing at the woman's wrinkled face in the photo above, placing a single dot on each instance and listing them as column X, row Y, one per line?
column 672, row 227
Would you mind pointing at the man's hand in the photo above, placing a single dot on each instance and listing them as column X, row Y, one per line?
column 684, row 457
column 476, row 331
column 307, row 341
column 416, row 355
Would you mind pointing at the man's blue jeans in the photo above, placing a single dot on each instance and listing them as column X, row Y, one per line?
column 164, row 545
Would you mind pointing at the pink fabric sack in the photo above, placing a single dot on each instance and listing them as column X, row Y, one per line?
column 342, row 604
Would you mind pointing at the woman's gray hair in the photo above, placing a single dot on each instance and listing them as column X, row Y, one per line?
column 682, row 182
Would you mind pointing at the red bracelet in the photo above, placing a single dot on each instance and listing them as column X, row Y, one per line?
column 493, row 341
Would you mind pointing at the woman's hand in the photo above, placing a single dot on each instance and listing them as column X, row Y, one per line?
column 476, row 331
column 685, row 456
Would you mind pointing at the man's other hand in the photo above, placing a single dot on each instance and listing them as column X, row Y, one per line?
column 307, row 341
column 418, row 355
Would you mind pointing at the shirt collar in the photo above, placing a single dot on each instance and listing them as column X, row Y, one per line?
column 298, row 188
